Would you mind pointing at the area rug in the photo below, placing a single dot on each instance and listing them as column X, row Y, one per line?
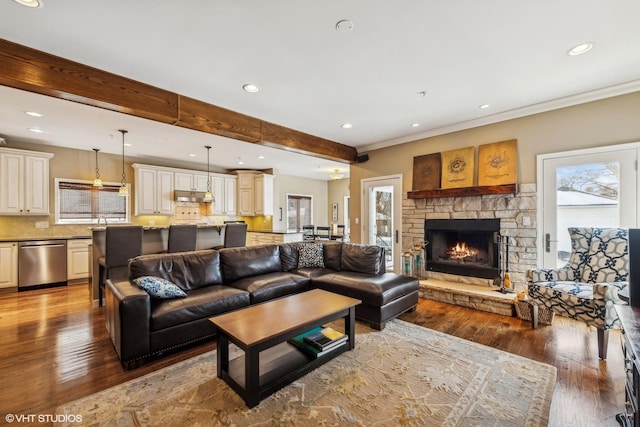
column 404, row 375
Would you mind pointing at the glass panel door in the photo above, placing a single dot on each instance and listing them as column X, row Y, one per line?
column 585, row 190
column 383, row 216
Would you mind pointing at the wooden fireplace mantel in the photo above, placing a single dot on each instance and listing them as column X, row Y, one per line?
column 465, row 191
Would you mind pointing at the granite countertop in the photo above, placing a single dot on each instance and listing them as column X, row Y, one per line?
column 29, row 239
column 160, row 227
column 274, row 232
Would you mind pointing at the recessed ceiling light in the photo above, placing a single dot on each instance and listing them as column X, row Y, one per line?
column 580, row 49
column 251, row 88
column 347, row 126
column 33, row 114
column 30, row 3
column 126, row 144
column 261, row 157
column 415, row 125
column 36, row 130
column 193, row 155
column 483, row 106
column 240, row 162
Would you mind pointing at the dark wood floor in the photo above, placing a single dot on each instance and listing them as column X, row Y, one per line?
column 54, row 348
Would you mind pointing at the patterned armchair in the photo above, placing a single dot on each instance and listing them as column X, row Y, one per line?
column 587, row 287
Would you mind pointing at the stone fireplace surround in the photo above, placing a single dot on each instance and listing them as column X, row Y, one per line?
column 517, row 213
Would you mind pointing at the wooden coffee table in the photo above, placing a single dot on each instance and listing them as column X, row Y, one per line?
column 270, row 362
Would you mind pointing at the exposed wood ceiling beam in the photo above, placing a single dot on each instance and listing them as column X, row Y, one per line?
column 35, row 71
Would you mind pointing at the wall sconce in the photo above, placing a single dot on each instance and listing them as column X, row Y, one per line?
column 97, row 182
column 208, row 197
column 123, row 190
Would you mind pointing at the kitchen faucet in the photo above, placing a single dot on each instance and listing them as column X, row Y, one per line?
column 102, row 218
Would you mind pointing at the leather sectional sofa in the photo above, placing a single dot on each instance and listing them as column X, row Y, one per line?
column 219, row 281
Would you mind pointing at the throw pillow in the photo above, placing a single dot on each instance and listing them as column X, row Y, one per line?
column 158, row 287
column 311, row 255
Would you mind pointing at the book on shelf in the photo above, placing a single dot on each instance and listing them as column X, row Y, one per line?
column 300, row 342
column 325, row 338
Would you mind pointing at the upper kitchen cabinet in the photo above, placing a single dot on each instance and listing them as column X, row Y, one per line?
column 153, row 190
column 190, row 181
column 24, row 182
column 255, row 193
column 263, row 193
column 224, row 193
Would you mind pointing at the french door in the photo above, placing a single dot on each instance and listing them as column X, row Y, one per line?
column 382, row 216
column 585, row 188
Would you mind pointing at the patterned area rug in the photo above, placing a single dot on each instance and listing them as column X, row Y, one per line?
column 403, row 375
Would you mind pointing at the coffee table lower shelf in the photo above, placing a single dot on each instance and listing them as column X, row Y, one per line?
column 279, row 366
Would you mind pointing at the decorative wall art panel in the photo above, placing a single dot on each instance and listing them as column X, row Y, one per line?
column 497, row 163
column 458, row 168
column 426, row 172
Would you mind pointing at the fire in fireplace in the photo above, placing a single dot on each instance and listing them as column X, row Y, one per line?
column 465, row 247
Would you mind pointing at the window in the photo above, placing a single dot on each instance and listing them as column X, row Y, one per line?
column 79, row 202
column 299, row 211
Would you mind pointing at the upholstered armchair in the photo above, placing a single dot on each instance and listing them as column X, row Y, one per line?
column 587, row 287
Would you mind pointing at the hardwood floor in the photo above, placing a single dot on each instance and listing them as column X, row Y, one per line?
column 54, row 348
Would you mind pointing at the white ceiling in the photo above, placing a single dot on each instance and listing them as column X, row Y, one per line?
column 510, row 54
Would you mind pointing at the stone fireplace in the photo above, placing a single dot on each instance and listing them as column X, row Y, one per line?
column 465, row 247
column 515, row 215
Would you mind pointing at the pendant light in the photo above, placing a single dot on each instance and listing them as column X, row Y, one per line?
column 208, row 197
column 123, row 190
column 336, row 174
column 97, row 182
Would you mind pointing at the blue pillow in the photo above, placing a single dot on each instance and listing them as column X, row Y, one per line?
column 158, row 287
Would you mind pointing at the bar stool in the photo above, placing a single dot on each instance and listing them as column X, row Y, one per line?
column 235, row 236
column 122, row 243
column 308, row 232
column 182, row 238
column 323, row 232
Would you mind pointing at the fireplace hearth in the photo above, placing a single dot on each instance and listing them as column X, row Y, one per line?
column 464, row 247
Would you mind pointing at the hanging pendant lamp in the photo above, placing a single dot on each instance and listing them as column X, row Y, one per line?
column 123, row 190
column 97, row 182
column 208, row 197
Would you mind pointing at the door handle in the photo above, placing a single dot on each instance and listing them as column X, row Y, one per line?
column 397, row 236
column 547, row 242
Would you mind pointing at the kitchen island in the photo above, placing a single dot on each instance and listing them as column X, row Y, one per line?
column 154, row 240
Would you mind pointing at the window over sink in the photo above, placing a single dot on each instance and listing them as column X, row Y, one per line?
column 79, row 202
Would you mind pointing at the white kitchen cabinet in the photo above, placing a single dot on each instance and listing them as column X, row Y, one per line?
column 24, row 182
column 8, row 264
column 263, row 194
column 224, row 192
column 190, row 181
column 245, row 193
column 78, row 259
column 153, row 191
column 255, row 193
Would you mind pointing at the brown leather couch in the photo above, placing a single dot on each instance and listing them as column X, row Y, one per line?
column 219, row 281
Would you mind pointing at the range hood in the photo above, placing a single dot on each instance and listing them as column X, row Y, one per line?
column 188, row 196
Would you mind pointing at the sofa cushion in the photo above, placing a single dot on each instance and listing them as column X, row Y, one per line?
column 372, row 290
column 310, row 255
column 200, row 303
column 367, row 259
column 272, row 285
column 289, row 256
column 238, row 263
column 608, row 258
column 188, row 270
column 332, row 255
column 158, row 287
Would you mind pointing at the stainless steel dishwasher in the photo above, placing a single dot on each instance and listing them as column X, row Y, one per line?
column 42, row 262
